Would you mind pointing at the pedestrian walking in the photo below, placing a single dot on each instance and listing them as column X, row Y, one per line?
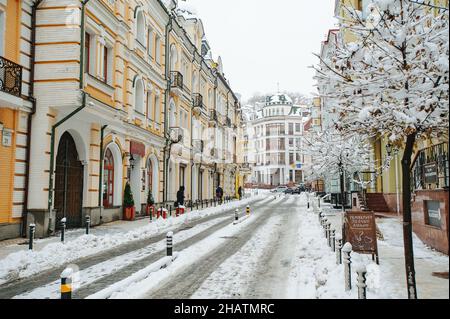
column 240, row 192
column 219, row 194
column 180, row 197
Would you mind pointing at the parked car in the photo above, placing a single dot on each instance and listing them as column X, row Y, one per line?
column 289, row 190
column 298, row 190
column 279, row 189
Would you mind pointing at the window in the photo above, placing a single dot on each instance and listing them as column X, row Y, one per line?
column 2, row 31
column 150, row 46
column 139, row 96
column 108, row 179
column 149, row 106
column 297, row 127
column 158, row 49
column 291, row 142
column 150, row 175
column 157, row 109
column 291, row 128
column 182, row 175
column 87, row 52
column 105, row 64
column 140, row 28
column 291, row 158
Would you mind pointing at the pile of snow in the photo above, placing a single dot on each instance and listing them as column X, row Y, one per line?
column 23, row 263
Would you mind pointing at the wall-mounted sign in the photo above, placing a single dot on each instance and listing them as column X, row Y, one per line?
column 430, row 173
column 433, row 213
column 7, row 137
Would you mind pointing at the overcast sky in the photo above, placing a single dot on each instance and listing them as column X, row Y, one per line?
column 263, row 42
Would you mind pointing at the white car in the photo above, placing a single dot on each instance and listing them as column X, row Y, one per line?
column 279, row 189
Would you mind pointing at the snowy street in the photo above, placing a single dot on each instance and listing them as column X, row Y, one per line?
column 279, row 251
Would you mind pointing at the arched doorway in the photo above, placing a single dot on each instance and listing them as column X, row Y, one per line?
column 68, row 183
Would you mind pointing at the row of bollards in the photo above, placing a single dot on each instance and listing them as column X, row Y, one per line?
column 343, row 253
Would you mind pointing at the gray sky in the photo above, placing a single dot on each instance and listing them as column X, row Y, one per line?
column 263, row 42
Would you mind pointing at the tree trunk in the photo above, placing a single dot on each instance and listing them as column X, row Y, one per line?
column 407, row 225
column 342, row 190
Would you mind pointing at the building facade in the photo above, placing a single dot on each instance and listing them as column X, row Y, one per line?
column 16, row 107
column 275, row 143
column 124, row 91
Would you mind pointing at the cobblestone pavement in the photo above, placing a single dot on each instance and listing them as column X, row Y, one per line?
column 26, row 284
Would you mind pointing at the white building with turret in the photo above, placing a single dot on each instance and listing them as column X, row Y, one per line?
column 275, row 145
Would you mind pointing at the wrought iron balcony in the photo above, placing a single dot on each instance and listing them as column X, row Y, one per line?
column 213, row 118
column 10, row 77
column 176, row 80
column 197, row 103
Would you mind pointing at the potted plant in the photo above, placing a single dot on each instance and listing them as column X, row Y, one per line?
column 128, row 203
column 150, row 202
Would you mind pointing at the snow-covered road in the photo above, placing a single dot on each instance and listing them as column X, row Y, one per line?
column 279, row 252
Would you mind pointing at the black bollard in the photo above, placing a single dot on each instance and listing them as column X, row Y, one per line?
column 169, row 241
column 31, row 235
column 63, row 228
column 88, row 224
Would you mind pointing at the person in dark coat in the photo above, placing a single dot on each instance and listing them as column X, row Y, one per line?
column 219, row 193
column 180, row 197
column 240, row 192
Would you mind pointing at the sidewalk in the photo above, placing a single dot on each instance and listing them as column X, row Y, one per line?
column 392, row 263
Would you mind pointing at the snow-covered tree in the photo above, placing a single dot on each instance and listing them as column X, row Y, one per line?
column 392, row 80
column 336, row 155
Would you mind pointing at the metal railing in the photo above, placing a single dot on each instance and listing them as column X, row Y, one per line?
column 197, row 101
column 213, row 116
column 10, row 77
column 176, row 80
column 430, row 168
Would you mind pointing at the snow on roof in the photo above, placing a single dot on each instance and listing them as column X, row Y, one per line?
column 188, row 11
column 279, row 98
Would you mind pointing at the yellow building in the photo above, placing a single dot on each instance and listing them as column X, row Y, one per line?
column 115, row 84
column 15, row 109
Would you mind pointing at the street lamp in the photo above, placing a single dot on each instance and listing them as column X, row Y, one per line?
column 132, row 161
column 389, row 149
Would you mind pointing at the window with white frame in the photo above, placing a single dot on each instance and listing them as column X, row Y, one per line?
column 158, row 49
column 2, row 32
column 139, row 96
column 106, row 62
column 140, row 27
column 150, row 42
column 150, row 108
column 157, row 109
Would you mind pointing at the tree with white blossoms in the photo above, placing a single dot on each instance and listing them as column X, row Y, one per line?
column 334, row 154
column 393, row 81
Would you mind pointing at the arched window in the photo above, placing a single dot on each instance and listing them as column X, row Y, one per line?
column 150, row 175
column 108, row 179
column 139, row 96
column 140, row 28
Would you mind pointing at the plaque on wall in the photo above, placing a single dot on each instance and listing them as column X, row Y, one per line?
column 433, row 213
column 430, row 173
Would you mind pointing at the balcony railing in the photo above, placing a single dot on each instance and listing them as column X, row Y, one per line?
column 431, row 168
column 10, row 77
column 197, row 101
column 176, row 80
column 213, row 116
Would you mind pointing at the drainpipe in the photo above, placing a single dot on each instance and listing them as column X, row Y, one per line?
column 23, row 227
column 102, row 155
column 167, row 147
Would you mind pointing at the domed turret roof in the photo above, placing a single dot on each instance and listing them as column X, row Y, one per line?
column 278, row 99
